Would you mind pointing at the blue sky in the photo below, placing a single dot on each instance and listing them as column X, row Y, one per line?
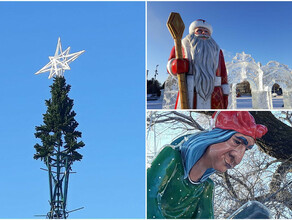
column 108, row 83
column 262, row 29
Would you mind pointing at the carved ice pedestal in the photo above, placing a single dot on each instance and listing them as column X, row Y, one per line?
column 261, row 100
column 170, row 92
column 287, row 98
column 232, row 97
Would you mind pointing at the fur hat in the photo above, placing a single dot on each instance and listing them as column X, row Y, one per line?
column 200, row 23
column 240, row 121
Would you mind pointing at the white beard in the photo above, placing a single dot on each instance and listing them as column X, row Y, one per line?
column 205, row 57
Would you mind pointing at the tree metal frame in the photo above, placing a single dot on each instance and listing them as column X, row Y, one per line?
column 58, row 169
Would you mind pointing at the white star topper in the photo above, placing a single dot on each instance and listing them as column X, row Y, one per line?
column 60, row 62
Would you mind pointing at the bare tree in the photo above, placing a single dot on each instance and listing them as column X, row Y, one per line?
column 264, row 175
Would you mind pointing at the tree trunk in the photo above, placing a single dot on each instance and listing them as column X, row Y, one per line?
column 276, row 142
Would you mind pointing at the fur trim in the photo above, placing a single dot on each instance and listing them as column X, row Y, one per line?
column 225, row 89
column 200, row 23
column 217, row 81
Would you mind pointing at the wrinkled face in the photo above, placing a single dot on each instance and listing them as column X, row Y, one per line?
column 228, row 154
column 203, row 33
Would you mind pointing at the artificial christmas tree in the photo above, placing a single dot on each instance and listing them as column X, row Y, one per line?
column 59, row 138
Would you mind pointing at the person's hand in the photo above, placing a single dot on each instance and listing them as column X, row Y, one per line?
column 179, row 66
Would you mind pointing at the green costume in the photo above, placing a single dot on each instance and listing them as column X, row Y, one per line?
column 169, row 195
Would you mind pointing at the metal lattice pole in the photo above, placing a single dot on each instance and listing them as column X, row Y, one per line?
column 58, row 170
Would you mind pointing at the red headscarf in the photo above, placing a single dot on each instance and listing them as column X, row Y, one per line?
column 240, row 121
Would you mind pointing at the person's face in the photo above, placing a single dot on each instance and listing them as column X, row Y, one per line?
column 203, row 33
column 228, row 154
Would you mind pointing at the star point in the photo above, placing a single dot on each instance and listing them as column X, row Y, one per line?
column 60, row 61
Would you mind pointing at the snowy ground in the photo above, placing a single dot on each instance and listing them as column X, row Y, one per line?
column 278, row 102
column 242, row 103
column 246, row 102
column 157, row 104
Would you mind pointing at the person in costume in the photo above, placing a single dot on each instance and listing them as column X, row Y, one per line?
column 204, row 65
column 178, row 183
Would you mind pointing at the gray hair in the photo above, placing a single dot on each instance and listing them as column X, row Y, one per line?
column 205, row 57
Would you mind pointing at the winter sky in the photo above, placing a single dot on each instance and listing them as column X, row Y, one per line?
column 261, row 29
column 108, row 88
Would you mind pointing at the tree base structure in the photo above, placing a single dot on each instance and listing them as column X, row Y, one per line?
column 58, row 170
